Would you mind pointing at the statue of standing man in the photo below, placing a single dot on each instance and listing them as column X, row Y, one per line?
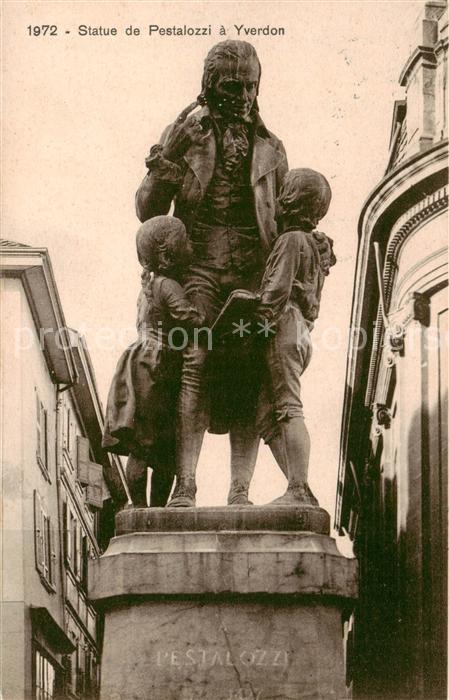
column 223, row 170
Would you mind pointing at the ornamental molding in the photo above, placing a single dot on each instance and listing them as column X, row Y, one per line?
column 422, row 54
column 397, row 182
column 441, row 46
column 416, row 307
column 419, row 168
column 409, row 222
column 382, row 415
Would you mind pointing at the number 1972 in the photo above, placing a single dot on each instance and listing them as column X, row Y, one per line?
column 42, row 30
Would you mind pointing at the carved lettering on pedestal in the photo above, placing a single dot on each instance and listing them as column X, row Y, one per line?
column 214, row 657
column 242, row 694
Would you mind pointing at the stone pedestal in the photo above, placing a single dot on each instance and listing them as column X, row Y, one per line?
column 223, row 604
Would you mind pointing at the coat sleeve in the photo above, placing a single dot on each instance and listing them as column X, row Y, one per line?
column 280, row 273
column 282, row 168
column 160, row 185
column 179, row 306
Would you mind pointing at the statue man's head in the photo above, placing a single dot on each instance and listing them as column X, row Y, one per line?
column 231, row 79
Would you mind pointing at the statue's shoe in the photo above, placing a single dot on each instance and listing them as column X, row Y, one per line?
column 181, row 502
column 238, row 495
column 296, row 494
column 183, row 495
column 135, row 504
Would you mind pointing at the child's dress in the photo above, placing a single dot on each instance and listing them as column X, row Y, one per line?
column 141, row 407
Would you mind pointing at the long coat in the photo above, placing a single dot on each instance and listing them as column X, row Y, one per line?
column 268, row 167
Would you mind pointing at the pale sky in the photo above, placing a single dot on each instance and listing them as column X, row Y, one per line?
column 80, row 114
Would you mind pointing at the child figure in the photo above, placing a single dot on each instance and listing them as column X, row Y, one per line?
column 141, row 407
column 290, row 295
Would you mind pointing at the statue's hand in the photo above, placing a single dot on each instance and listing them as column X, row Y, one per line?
column 186, row 130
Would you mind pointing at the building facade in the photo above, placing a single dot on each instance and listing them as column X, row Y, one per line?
column 392, row 489
column 59, row 489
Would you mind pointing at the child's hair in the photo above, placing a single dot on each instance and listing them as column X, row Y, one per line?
column 305, row 196
column 159, row 242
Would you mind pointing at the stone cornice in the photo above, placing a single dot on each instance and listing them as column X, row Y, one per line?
column 426, row 54
column 380, row 202
column 409, row 222
column 383, row 206
column 397, row 180
column 33, row 267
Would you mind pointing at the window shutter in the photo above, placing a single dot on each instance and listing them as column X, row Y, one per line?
column 95, row 676
column 75, row 669
column 73, row 542
column 42, row 525
column 38, row 533
column 79, row 550
column 41, row 433
column 66, row 428
column 94, row 495
column 83, row 459
column 38, row 425
column 46, row 545
column 88, row 671
column 83, row 448
column 44, row 437
column 85, row 560
column 66, row 520
column 67, row 663
column 68, row 433
column 52, row 563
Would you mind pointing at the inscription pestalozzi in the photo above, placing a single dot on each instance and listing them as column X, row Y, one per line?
column 208, row 658
column 249, row 693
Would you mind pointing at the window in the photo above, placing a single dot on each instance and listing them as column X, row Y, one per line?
column 41, row 436
column 69, row 433
column 79, row 671
column 67, row 430
column 85, row 550
column 69, row 436
column 76, row 544
column 73, row 540
column 92, row 622
column 45, row 677
column 67, row 542
column 82, row 670
column 44, row 543
column 79, row 551
column 90, row 673
column 74, row 669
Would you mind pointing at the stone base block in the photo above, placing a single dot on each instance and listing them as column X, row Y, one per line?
column 223, row 650
column 222, row 614
column 298, row 518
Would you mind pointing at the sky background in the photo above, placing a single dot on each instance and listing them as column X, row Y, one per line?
column 80, row 114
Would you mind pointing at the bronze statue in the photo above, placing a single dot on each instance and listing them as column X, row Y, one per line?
column 223, row 170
